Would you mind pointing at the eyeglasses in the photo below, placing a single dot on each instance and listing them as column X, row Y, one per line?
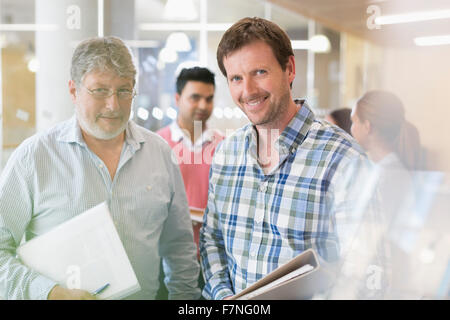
column 103, row 93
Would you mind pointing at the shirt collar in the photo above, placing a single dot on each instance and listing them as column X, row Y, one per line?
column 133, row 136
column 292, row 136
column 297, row 129
column 178, row 135
column 176, row 132
column 71, row 133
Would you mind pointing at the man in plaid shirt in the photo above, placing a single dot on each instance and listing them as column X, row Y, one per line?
column 278, row 185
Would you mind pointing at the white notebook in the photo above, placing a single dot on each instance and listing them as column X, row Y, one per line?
column 83, row 253
column 267, row 287
column 300, row 278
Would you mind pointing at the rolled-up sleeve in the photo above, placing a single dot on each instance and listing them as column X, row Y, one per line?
column 16, row 208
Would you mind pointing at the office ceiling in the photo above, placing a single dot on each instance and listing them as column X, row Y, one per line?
column 342, row 15
column 351, row 16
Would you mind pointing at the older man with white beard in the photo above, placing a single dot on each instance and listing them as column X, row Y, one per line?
column 98, row 155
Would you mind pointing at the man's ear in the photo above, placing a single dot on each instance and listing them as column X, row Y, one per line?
column 290, row 69
column 73, row 90
column 177, row 99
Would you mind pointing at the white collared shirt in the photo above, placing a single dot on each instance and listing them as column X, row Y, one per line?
column 53, row 176
column 179, row 134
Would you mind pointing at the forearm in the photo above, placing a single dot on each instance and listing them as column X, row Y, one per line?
column 16, row 208
column 218, row 286
column 214, row 264
column 17, row 280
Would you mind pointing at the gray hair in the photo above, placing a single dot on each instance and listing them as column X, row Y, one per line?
column 102, row 54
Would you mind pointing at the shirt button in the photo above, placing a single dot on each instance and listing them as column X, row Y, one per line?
column 149, row 188
column 263, row 187
column 253, row 254
column 100, row 166
column 258, row 219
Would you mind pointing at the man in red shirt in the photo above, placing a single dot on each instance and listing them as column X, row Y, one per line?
column 191, row 140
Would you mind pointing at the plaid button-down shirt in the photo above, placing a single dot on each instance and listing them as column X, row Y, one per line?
column 256, row 222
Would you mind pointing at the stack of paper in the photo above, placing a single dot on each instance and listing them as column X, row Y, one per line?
column 275, row 283
column 300, row 278
column 83, row 253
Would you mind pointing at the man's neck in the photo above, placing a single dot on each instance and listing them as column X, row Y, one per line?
column 108, row 151
column 99, row 144
column 268, row 134
column 268, row 154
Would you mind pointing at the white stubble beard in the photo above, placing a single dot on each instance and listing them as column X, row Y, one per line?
column 95, row 130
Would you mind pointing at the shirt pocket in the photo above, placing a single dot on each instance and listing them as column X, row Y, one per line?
column 149, row 205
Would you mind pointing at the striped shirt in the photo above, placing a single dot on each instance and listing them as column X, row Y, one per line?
column 53, row 176
column 255, row 222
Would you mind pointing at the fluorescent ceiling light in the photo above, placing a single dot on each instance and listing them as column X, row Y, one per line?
column 100, row 18
column 218, row 113
column 171, row 113
column 33, row 65
column 142, row 113
column 432, row 40
column 168, row 55
column 157, row 113
column 413, row 17
column 318, row 44
column 178, row 41
column 160, row 65
column 228, row 112
column 180, row 10
column 28, row 27
column 300, row 44
column 238, row 114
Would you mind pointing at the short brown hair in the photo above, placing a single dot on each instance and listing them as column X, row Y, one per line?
column 248, row 30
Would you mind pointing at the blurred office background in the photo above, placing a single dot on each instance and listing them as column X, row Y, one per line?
column 341, row 51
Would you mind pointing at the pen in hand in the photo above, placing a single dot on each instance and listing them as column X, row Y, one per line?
column 100, row 290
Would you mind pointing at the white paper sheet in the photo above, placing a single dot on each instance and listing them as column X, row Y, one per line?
column 83, row 253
